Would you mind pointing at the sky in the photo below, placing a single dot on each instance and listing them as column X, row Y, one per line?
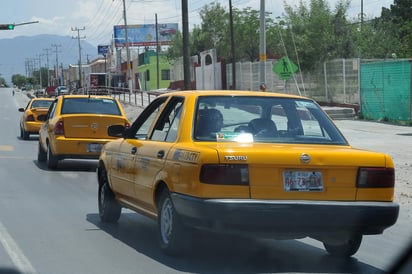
column 95, row 18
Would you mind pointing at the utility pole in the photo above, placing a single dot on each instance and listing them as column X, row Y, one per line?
column 262, row 53
column 129, row 69
column 232, row 42
column 186, row 50
column 80, row 52
column 40, row 80
column 57, row 62
column 157, row 53
column 48, row 69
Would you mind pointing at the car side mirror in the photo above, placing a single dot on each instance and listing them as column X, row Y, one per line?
column 116, row 130
column 21, row 109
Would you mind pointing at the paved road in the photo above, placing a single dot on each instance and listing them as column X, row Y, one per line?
column 49, row 221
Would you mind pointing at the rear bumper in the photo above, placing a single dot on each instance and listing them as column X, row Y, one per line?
column 32, row 127
column 76, row 148
column 278, row 217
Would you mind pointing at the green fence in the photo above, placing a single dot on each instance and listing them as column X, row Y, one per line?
column 386, row 90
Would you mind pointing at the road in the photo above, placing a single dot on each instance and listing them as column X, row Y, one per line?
column 49, row 220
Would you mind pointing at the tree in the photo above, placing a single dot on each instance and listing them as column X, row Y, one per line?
column 397, row 18
column 19, row 80
column 2, row 82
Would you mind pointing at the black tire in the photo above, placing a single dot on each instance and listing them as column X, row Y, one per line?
column 51, row 159
column 173, row 235
column 24, row 134
column 347, row 249
column 109, row 209
column 41, row 154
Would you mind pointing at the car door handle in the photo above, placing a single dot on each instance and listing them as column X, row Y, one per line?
column 133, row 150
column 160, row 154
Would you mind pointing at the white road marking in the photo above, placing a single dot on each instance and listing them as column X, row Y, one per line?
column 14, row 252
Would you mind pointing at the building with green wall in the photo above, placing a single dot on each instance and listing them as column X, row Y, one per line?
column 150, row 77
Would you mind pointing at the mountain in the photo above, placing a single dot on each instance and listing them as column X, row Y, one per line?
column 22, row 54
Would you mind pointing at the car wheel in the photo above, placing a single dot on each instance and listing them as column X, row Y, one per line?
column 346, row 249
column 174, row 236
column 24, row 134
column 109, row 208
column 51, row 158
column 41, row 154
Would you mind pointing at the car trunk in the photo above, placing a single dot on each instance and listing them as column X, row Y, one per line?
column 38, row 112
column 90, row 126
column 280, row 171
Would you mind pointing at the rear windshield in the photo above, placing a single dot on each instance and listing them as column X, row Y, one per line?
column 41, row 103
column 263, row 119
column 90, row 106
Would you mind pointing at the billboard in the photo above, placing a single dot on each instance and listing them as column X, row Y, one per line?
column 144, row 35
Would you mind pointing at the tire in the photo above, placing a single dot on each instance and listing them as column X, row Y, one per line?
column 109, row 209
column 24, row 134
column 41, row 154
column 347, row 249
column 51, row 159
column 174, row 236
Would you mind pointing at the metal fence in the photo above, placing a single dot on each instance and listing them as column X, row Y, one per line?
column 336, row 82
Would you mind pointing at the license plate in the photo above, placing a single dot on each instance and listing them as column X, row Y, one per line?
column 94, row 147
column 302, row 180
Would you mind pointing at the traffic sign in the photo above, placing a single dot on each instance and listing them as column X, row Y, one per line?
column 285, row 68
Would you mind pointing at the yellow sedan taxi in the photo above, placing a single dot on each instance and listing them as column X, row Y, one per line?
column 255, row 163
column 31, row 119
column 76, row 127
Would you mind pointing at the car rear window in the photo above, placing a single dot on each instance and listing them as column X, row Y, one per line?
column 41, row 104
column 90, row 106
column 263, row 119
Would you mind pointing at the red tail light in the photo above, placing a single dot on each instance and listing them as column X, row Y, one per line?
column 224, row 174
column 127, row 125
column 30, row 118
column 376, row 177
column 59, row 128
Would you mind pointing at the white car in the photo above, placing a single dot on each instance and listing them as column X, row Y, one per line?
column 61, row 90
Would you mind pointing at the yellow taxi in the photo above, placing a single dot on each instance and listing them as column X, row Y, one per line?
column 255, row 163
column 31, row 119
column 76, row 127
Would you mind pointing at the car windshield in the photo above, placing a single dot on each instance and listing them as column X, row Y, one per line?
column 263, row 119
column 90, row 105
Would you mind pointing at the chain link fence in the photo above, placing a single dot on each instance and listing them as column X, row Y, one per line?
column 337, row 81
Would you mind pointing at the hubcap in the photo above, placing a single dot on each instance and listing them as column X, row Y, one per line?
column 166, row 220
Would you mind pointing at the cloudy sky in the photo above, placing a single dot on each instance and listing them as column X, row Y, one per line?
column 98, row 17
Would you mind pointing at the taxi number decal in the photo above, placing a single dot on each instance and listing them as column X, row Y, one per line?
column 186, row 156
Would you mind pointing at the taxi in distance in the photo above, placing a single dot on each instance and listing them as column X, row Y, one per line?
column 256, row 163
column 76, row 127
column 31, row 119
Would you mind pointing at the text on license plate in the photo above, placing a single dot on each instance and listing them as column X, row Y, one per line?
column 294, row 180
column 94, row 147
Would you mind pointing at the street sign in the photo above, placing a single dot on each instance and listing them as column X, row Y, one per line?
column 103, row 49
column 285, row 68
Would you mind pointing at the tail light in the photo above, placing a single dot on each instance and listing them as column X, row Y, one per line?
column 223, row 174
column 127, row 125
column 59, row 128
column 371, row 177
column 30, row 118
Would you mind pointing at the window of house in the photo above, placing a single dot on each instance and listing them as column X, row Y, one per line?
column 165, row 74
